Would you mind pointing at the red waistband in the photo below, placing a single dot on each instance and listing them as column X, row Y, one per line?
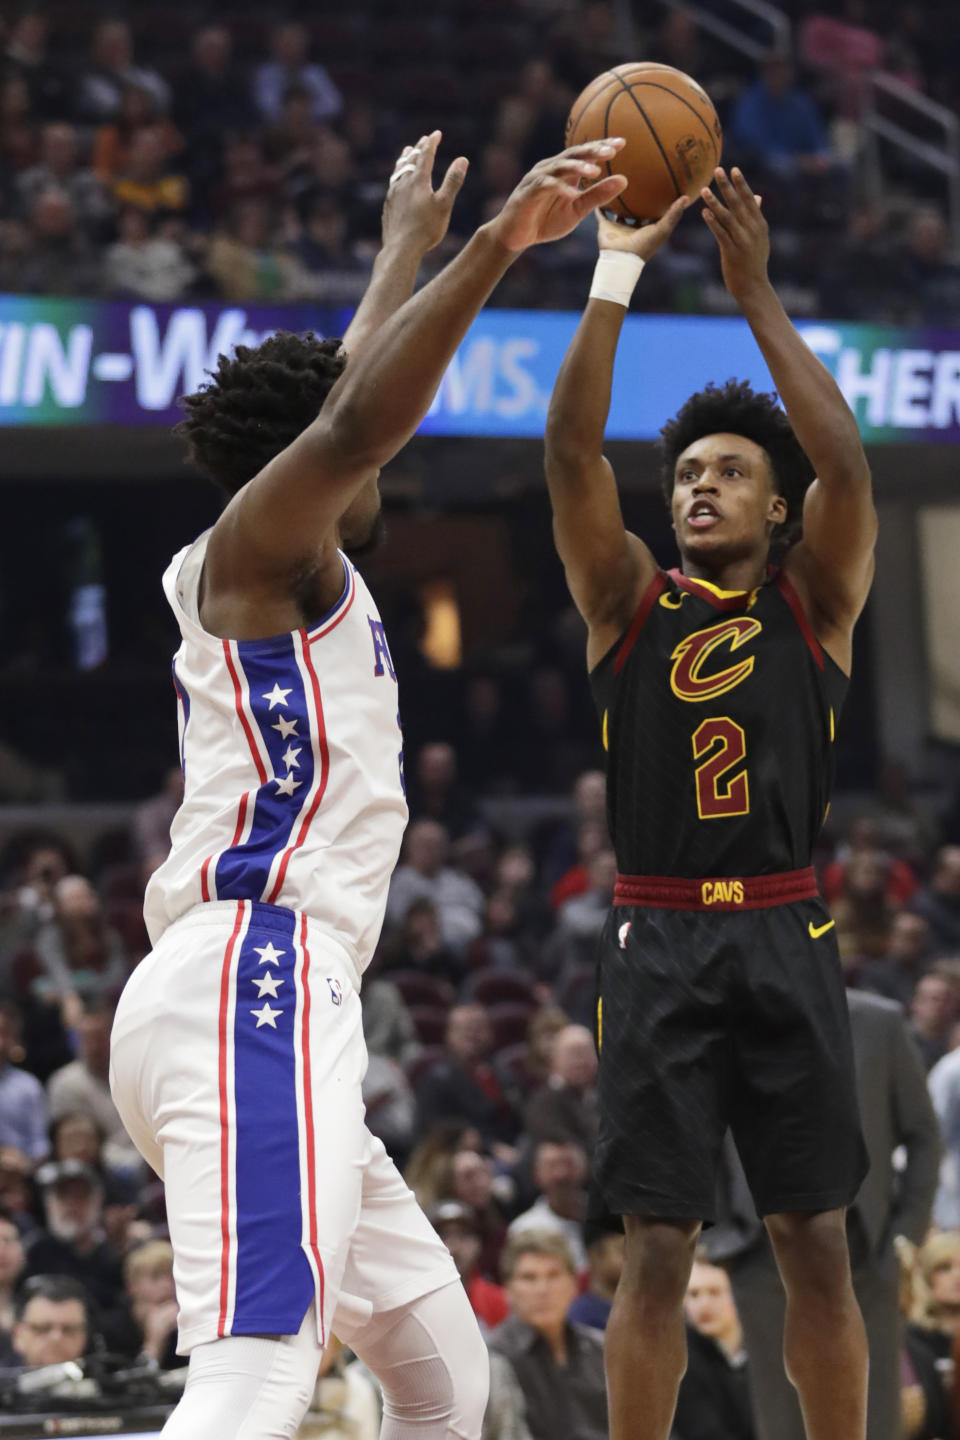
column 744, row 892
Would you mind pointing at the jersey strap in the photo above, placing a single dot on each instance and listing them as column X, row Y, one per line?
column 744, row 892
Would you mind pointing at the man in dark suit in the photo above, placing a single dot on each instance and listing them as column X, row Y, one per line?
column 896, row 1111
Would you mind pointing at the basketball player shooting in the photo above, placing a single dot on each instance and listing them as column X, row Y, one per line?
column 238, row 1053
column 719, row 685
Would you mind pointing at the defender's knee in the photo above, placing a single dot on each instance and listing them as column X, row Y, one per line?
column 658, row 1256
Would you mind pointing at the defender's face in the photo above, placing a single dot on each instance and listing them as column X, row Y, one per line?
column 724, row 503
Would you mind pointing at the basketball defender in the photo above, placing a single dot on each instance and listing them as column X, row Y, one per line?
column 719, row 685
column 238, row 1053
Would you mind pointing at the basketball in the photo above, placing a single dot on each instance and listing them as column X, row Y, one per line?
column 673, row 135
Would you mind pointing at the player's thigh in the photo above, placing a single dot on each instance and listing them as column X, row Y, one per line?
column 794, row 1108
column 661, row 1032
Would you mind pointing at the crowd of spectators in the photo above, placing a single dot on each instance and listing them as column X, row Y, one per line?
column 215, row 153
column 478, row 1013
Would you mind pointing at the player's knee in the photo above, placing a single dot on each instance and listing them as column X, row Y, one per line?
column 657, row 1258
column 433, row 1366
column 811, row 1250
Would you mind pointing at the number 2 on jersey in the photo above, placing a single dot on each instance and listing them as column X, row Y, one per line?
column 720, row 746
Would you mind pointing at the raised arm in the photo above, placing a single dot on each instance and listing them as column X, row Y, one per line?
column 832, row 566
column 607, row 568
column 291, row 509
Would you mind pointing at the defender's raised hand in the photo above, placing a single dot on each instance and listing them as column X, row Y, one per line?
column 740, row 231
column 414, row 214
column 549, row 201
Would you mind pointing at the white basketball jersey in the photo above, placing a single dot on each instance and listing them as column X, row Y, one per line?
column 293, row 765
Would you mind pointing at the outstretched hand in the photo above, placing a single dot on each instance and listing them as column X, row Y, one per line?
column 549, row 201
column 414, row 214
column 641, row 240
column 740, row 231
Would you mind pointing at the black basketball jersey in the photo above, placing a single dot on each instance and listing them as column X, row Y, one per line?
column 719, row 710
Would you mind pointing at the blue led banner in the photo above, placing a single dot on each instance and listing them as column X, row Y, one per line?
column 79, row 362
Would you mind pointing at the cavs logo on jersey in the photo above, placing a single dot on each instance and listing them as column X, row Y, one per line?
column 691, row 680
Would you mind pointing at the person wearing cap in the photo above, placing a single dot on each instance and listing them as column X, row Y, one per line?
column 458, row 1228
column 74, row 1242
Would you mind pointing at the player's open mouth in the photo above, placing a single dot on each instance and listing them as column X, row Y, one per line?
column 703, row 515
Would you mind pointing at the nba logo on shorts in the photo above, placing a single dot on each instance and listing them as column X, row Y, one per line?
column 336, row 994
column 623, row 933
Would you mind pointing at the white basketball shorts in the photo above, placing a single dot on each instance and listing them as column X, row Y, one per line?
column 236, row 1063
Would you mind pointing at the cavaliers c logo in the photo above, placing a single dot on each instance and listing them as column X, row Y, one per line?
column 686, row 678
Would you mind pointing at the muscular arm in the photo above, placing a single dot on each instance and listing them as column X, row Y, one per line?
column 833, row 564
column 291, row 509
column 607, row 568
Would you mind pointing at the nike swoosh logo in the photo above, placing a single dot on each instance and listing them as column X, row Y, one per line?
column 817, row 930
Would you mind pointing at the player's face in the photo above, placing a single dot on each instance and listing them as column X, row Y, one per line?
column 361, row 525
column 724, row 504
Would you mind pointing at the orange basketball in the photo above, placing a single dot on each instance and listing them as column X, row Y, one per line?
column 672, row 132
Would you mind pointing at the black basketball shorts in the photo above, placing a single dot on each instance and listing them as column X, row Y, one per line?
column 713, row 1017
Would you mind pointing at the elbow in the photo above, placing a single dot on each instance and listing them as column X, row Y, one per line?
column 350, row 434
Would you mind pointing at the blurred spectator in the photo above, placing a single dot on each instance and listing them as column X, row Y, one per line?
column 114, row 143
column 580, row 922
column 289, row 144
column 17, row 1193
column 18, row 134
column 142, row 265
column 457, row 1227
column 474, row 1183
column 146, row 180
column 591, row 839
column 289, row 66
column 59, row 169
column 74, row 1241
column 559, row 1364
column 345, row 1404
column 52, row 1321
column 424, row 873
column 210, row 102
column 895, row 973
column 944, row 1083
column 867, row 835
column 931, row 274
column 419, row 945
column 51, row 256
column 503, row 945
column 387, row 1026
column 23, row 1105
column 428, row 1171
column 390, row 1106
column 76, row 954
column 939, row 902
column 247, row 264
column 863, row 912
column 463, row 1085
column 244, row 175
column 515, row 876
column 935, row 1317
column 78, row 1137
column 846, row 49
column 26, row 55
column 714, row 1396
column 434, row 791
column 145, row 1324
column 44, row 859
column 776, row 124
column 333, row 274
column 560, row 1175
column 83, row 1087
column 111, row 71
column 603, row 1241
column 566, row 1107
column 933, row 1011
column 12, row 1264
column 505, row 1415
column 589, row 799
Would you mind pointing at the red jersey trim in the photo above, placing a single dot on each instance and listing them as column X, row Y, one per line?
column 656, row 587
column 308, row 1123
column 727, row 892
column 224, row 1080
column 786, row 589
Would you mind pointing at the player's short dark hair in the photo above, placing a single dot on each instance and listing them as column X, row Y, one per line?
column 737, row 409
column 256, row 402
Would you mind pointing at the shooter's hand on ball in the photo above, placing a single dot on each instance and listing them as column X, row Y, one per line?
column 414, row 214
column 740, row 231
column 549, row 203
column 641, row 240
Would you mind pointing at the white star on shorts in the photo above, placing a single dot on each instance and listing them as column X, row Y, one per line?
column 266, row 984
column 266, row 1016
column 268, row 956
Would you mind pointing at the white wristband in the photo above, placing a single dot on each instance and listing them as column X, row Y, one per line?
column 615, row 276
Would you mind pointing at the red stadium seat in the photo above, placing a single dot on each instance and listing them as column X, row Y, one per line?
column 430, row 1023
column 420, row 989
column 510, row 1021
column 491, row 987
